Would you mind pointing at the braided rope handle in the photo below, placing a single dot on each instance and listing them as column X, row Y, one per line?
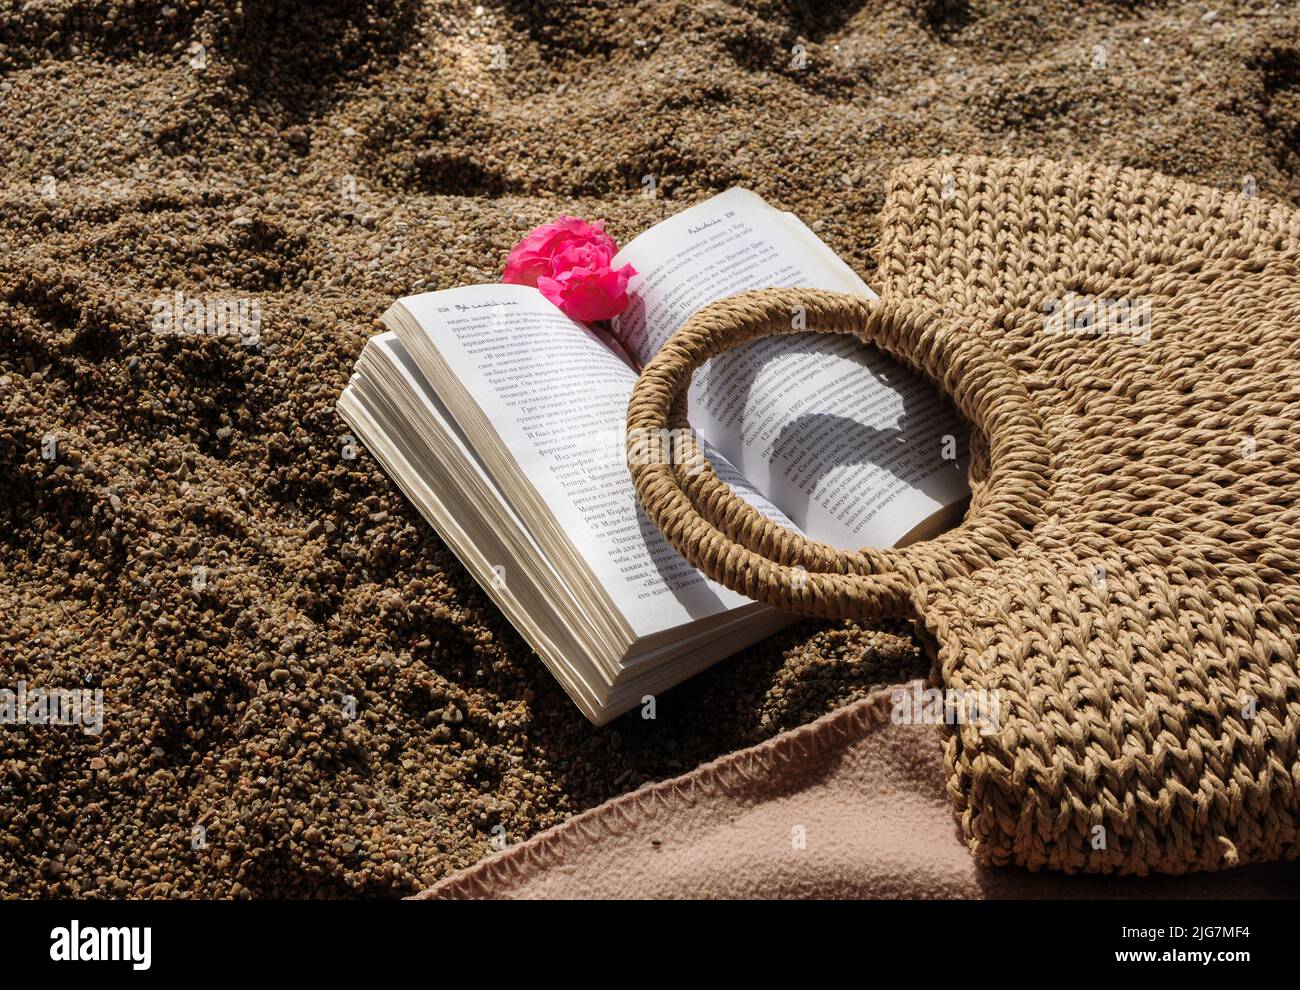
column 734, row 544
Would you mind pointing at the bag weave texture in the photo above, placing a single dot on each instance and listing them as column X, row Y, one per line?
column 1127, row 578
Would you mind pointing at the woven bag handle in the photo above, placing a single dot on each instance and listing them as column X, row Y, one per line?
column 731, row 542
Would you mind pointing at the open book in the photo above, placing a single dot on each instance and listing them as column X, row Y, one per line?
column 503, row 421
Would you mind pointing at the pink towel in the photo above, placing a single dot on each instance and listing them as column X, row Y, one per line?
column 852, row 805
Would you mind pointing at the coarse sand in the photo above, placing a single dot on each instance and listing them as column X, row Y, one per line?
column 304, row 693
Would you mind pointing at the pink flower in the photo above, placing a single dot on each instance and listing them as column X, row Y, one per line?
column 588, row 294
column 569, row 262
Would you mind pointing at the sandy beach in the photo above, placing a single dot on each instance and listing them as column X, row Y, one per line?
column 303, row 693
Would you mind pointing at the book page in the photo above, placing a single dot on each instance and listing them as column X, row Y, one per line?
column 556, row 397
column 850, row 445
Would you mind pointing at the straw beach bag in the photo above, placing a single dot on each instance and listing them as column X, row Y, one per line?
column 1127, row 578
